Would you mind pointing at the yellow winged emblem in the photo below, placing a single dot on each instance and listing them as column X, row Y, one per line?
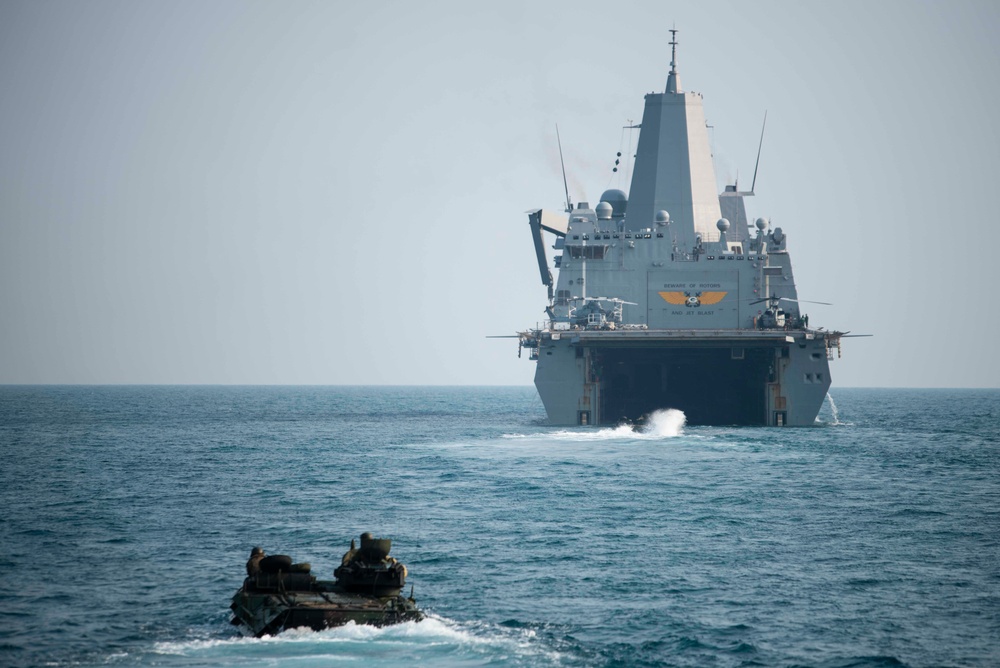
column 697, row 299
column 712, row 297
column 678, row 298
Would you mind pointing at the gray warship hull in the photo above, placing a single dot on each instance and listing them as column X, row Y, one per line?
column 668, row 298
column 718, row 377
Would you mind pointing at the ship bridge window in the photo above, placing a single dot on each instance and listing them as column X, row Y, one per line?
column 587, row 252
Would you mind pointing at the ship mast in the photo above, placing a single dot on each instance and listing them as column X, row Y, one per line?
column 673, row 82
column 673, row 169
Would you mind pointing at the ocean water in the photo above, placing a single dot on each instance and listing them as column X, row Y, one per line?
column 871, row 539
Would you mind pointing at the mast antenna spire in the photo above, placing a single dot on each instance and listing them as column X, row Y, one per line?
column 673, row 82
column 569, row 204
column 759, row 147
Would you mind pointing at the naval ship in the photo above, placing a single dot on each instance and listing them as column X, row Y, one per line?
column 666, row 298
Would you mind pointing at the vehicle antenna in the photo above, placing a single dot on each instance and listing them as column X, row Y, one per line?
column 569, row 204
column 759, row 146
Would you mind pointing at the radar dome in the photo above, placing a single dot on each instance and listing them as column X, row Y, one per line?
column 723, row 224
column 618, row 201
column 761, row 224
column 662, row 217
column 604, row 211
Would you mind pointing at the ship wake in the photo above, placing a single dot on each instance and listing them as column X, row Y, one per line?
column 661, row 424
column 433, row 641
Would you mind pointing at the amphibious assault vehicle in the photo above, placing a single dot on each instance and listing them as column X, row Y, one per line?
column 278, row 594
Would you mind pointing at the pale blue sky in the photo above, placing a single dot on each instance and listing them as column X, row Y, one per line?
column 243, row 192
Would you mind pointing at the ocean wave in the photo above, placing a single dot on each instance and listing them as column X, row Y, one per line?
column 435, row 640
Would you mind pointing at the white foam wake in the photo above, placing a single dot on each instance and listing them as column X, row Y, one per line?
column 433, row 641
column 664, row 423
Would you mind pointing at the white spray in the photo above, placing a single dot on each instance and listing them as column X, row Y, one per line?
column 833, row 409
column 664, row 424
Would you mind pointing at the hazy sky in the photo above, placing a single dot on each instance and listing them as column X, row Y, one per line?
column 298, row 192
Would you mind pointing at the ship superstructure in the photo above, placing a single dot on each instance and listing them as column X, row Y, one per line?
column 667, row 298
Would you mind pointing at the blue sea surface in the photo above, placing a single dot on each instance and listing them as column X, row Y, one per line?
column 871, row 539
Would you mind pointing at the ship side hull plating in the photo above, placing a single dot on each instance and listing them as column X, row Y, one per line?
column 584, row 378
